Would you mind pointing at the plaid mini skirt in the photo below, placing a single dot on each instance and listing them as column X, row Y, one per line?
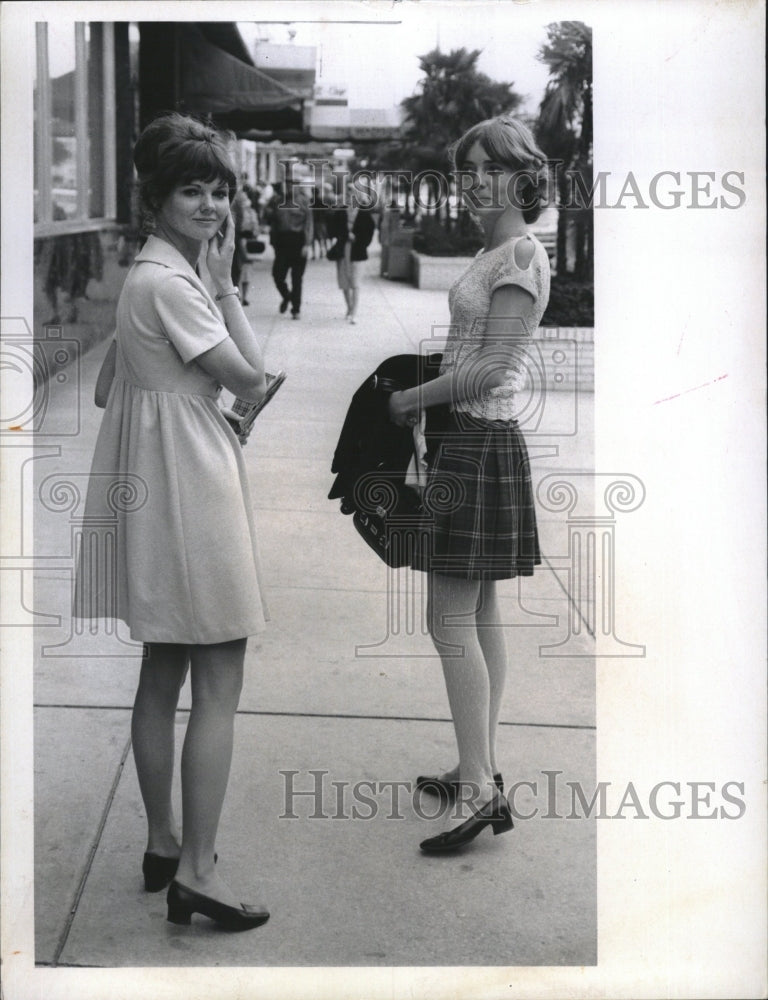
column 479, row 520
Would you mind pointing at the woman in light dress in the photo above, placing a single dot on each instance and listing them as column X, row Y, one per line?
column 186, row 577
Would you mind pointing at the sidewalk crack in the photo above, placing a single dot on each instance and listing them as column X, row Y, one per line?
column 63, row 937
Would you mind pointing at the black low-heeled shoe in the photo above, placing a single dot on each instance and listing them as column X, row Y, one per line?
column 495, row 814
column 183, row 902
column 159, row 871
column 448, row 789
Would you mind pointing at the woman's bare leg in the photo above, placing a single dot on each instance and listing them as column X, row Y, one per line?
column 352, row 299
column 491, row 635
column 217, row 678
column 152, row 731
column 452, row 608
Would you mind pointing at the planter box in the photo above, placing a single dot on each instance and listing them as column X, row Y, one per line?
column 441, row 272
column 396, row 263
column 396, row 243
column 437, row 273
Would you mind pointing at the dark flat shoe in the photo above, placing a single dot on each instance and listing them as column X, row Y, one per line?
column 183, row 902
column 158, row 871
column 447, row 789
column 495, row 814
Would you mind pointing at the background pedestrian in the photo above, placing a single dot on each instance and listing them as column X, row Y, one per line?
column 290, row 220
column 352, row 227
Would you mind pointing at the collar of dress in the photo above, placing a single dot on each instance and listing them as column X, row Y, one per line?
column 157, row 251
column 160, row 252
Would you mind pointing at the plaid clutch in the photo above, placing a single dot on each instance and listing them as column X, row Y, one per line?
column 247, row 411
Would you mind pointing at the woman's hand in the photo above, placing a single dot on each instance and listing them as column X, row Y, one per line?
column 221, row 250
column 235, row 422
column 403, row 411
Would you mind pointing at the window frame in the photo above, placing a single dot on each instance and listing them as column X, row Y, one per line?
column 82, row 222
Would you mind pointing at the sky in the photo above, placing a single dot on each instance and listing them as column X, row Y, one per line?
column 378, row 61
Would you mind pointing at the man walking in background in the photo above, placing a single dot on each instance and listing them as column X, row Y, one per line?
column 290, row 221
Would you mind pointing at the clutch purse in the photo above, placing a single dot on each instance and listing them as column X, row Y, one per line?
column 247, row 412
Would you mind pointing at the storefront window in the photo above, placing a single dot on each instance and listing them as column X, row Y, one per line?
column 74, row 108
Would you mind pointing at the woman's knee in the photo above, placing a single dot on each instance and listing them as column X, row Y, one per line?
column 217, row 674
column 488, row 605
column 451, row 607
column 163, row 670
column 441, row 624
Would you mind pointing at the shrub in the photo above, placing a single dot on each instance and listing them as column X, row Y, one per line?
column 571, row 303
column 463, row 239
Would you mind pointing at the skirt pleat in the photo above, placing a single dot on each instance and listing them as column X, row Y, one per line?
column 479, row 516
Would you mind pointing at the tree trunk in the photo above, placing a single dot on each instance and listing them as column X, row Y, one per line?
column 579, row 267
column 563, row 217
column 589, row 247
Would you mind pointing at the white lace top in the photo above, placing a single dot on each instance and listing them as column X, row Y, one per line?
column 470, row 302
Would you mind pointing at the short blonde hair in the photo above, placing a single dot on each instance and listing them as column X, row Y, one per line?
column 510, row 143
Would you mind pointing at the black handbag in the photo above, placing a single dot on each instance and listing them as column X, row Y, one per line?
column 388, row 516
column 335, row 251
column 255, row 246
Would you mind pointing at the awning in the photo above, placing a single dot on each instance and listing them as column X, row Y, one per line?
column 213, row 81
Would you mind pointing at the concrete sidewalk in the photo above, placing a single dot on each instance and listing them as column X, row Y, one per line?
column 343, row 687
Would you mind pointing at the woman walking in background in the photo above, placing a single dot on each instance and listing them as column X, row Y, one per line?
column 352, row 227
column 246, row 227
column 187, row 579
column 487, row 530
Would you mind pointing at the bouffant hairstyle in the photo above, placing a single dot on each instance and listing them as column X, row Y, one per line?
column 510, row 143
column 175, row 149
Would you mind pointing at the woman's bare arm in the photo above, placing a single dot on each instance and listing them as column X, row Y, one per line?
column 505, row 332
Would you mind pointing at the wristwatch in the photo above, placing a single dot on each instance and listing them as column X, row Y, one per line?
column 228, row 291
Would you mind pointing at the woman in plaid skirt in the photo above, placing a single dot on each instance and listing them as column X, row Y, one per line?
column 478, row 501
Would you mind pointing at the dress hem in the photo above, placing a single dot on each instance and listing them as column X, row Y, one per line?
column 151, row 635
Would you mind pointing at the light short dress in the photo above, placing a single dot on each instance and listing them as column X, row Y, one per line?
column 169, row 543
column 480, row 520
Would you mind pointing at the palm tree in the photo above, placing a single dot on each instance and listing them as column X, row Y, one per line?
column 565, row 132
column 452, row 95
